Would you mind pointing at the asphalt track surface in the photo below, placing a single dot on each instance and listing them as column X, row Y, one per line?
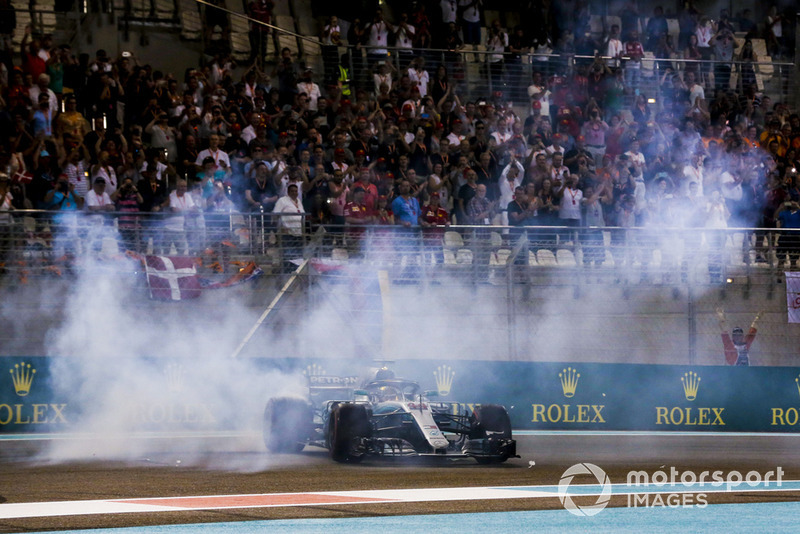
column 227, row 469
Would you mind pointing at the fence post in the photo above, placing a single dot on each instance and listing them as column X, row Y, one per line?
column 796, row 74
column 691, row 316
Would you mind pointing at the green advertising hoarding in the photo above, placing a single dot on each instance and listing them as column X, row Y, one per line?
column 538, row 396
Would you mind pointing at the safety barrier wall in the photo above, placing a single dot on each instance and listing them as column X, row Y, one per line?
column 181, row 396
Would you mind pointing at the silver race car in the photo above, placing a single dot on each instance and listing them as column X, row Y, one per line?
column 386, row 416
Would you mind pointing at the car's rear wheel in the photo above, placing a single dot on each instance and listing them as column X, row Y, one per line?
column 348, row 424
column 287, row 424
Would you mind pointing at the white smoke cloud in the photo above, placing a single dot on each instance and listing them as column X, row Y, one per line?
column 153, row 377
column 157, row 383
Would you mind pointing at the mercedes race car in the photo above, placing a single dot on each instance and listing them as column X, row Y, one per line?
column 385, row 417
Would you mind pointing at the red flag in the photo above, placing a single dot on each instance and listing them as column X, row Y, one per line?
column 172, row 278
column 23, row 177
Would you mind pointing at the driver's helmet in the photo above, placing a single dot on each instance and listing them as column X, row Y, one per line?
column 389, row 393
column 384, row 373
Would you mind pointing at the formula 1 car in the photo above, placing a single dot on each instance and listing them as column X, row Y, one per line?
column 385, row 417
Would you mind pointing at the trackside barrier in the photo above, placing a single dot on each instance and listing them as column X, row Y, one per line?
column 180, row 395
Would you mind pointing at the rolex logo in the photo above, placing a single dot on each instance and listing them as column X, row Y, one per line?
column 174, row 375
column 691, row 383
column 569, row 381
column 444, row 379
column 22, row 376
column 314, row 370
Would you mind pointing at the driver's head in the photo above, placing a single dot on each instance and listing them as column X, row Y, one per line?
column 388, row 393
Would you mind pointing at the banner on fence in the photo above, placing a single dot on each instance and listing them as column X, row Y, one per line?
column 793, row 296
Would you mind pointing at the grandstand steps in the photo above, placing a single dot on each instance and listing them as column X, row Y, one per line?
column 304, row 19
column 190, row 22
column 240, row 38
column 138, row 13
column 312, row 52
column 110, row 33
column 239, row 24
column 674, row 30
column 240, row 45
column 23, row 19
column 596, row 27
column 490, row 15
column 286, row 22
column 281, row 8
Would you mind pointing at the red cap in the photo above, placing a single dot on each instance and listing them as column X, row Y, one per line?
column 434, row 195
column 457, row 121
column 360, row 152
column 339, row 152
column 439, row 125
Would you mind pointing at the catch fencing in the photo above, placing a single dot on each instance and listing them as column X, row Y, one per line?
column 614, row 295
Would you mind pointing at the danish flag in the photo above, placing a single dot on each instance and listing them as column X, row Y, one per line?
column 172, row 278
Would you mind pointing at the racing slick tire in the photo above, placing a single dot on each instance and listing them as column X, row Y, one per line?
column 348, row 423
column 493, row 418
column 287, row 425
column 491, row 421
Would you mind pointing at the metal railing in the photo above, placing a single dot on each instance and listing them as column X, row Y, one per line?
column 476, row 77
column 479, row 253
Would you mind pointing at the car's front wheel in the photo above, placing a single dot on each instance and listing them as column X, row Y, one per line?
column 491, row 421
column 349, row 424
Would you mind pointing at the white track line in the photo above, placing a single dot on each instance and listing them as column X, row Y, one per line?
column 333, row 498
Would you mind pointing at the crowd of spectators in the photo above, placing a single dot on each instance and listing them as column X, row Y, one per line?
column 401, row 146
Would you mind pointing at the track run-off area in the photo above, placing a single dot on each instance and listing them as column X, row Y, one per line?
column 563, row 481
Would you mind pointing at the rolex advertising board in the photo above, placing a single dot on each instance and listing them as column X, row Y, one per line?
column 39, row 394
column 27, row 403
column 591, row 396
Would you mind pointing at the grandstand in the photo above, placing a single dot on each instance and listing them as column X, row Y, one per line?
column 658, row 170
